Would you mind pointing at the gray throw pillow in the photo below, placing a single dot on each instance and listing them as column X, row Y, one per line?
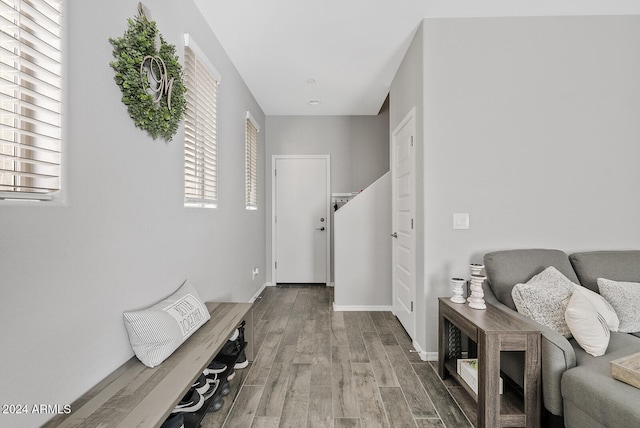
column 625, row 299
column 544, row 299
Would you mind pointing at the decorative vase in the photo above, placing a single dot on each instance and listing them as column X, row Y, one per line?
column 476, row 300
column 457, row 290
column 476, row 269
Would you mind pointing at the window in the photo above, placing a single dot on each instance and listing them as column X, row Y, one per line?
column 30, row 98
column 251, row 162
column 200, row 140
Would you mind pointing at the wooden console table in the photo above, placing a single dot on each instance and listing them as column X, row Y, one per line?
column 492, row 331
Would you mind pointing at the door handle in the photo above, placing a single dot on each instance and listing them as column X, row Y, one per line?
column 320, row 228
column 394, row 234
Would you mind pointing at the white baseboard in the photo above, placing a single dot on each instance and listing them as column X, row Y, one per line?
column 255, row 296
column 424, row 355
column 332, row 284
column 356, row 308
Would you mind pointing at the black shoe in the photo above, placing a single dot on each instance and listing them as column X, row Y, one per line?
column 230, row 349
column 241, row 362
column 174, row 421
column 235, row 335
column 191, row 402
column 215, row 367
column 225, row 389
column 201, row 385
column 216, row 405
column 213, row 387
column 231, row 375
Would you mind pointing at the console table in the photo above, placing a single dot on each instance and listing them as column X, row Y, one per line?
column 493, row 331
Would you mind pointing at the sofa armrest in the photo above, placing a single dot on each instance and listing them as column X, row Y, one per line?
column 557, row 356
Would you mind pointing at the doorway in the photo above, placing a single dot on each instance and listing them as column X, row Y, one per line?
column 403, row 188
column 300, row 219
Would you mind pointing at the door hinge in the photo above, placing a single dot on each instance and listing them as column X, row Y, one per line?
column 412, row 224
column 276, row 264
column 275, row 172
column 412, row 141
column 411, row 306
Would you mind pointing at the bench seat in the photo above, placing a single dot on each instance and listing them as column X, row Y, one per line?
column 135, row 395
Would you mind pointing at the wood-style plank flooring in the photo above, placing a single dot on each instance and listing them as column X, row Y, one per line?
column 319, row 368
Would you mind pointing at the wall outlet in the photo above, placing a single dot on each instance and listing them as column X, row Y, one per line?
column 255, row 272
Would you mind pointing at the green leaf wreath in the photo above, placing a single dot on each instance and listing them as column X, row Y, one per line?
column 142, row 55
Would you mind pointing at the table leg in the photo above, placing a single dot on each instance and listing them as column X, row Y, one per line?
column 488, row 381
column 443, row 345
column 532, row 387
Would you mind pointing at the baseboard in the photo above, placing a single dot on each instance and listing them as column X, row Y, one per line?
column 332, row 284
column 259, row 292
column 357, row 308
column 424, row 355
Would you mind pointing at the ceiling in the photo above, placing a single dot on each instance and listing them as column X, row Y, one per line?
column 344, row 53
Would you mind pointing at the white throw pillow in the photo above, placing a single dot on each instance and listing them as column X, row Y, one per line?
column 544, row 299
column 625, row 299
column 603, row 307
column 587, row 325
column 155, row 332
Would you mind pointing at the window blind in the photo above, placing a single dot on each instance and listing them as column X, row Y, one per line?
column 30, row 98
column 251, row 163
column 200, row 143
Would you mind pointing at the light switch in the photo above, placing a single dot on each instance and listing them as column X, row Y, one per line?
column 461, row 220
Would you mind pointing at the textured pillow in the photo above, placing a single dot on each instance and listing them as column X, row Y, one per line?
column 625, row 299
column 603, row 307
column 587, row 326
column 544, row 299
column 157, row 331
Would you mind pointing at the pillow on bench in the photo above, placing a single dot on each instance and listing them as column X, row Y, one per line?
column 155, row 332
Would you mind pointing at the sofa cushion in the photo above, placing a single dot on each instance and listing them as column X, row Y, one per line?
column 602, row 306
column 544, row 299
column 590, row 388
column 615, row 265
column 155, row 332
column 507, row 268
column 625, row 299
column 587, row 326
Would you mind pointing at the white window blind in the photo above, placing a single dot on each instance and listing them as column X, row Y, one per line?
column 30, row 98
column 251, row 162
column 200, row 142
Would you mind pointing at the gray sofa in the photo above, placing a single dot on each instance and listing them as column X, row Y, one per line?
column 577, row 388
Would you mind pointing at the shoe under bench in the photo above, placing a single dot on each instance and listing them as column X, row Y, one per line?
column 135, row 395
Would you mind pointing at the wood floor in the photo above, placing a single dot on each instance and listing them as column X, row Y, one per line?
column 319, row 368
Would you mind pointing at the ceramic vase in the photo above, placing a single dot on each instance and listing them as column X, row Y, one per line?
column 476, row 300
column 458, row 290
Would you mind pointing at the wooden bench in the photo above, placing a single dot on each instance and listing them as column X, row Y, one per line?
column 135, row 395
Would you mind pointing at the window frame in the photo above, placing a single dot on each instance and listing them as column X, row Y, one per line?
column 49, row 113
column 205, row 167
column 251, row 162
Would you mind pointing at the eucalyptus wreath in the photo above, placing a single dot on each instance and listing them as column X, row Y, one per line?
column 149, row 74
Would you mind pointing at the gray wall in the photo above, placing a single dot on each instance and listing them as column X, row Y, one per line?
column 358, row 145
column 123, row 240
column 406, row 95
column 531, row 126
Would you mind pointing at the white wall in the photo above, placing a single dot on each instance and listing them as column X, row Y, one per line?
column 530, row 125
column 358, row 146
column 123, row 240
column 363, row 249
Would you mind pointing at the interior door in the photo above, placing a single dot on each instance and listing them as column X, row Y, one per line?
column 403, row 213
column 301, row 219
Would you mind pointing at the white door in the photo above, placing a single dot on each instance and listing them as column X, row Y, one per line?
column 403, row 206
column 301, row 219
